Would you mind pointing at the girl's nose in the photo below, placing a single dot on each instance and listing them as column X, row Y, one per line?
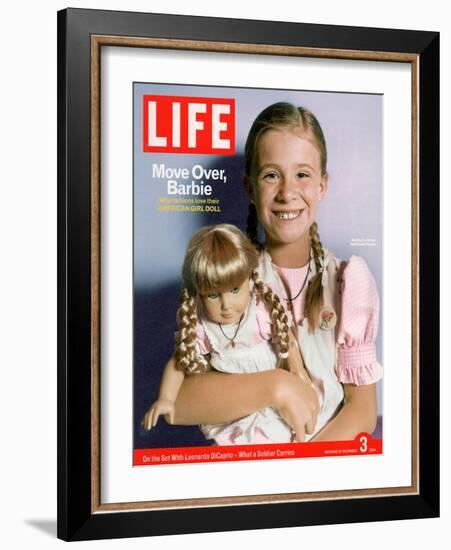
column 287, row 189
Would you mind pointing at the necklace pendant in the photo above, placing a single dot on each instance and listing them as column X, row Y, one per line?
column 231, row 339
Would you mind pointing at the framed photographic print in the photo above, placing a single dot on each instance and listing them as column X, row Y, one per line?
column 248, row 226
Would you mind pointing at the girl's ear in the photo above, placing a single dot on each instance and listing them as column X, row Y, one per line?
column 323, row 186
column 248, row 188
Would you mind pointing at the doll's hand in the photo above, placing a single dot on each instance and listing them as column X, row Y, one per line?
column 162, row 406
column 297, row 403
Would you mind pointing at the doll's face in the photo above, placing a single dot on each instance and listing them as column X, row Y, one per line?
column 288, row 185
column 226, row 306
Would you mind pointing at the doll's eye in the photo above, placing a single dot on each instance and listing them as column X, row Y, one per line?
column 235, row 290
column 212, row 295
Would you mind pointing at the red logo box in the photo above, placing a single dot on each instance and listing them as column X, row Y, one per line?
column 178, row 124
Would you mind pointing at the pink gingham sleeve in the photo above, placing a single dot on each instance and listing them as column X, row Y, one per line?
column 356, row 356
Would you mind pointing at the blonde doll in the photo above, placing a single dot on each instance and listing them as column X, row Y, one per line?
column 232, row 322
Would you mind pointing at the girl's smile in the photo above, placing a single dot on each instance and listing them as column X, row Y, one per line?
column 288, row 215
column 288, row 185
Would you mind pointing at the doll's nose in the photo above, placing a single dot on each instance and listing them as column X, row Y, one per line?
column 225, row 303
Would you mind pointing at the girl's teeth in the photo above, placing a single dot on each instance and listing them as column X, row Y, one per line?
column 287, row 215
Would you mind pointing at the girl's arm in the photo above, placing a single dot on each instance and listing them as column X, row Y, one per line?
column 170, row 385
column 214, row 398
column 357, row 331
column 295, row 361
column 171, row 381
column 358, row 414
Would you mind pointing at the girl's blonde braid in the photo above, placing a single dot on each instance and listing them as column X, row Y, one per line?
column 187, row 358
column 314, row 299
column 278, row 316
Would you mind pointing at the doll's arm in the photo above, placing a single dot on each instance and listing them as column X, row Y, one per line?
column 358, row 414
column 170, row 385
column 295, row 361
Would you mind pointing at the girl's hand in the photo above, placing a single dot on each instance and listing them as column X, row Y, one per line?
column 296, row 363
column 300, row 372
column 162, row 406
column 297, row 403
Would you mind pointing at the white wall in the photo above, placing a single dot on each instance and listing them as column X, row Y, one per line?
column 28, row 269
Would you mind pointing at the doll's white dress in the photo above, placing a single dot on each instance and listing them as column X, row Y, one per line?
column 249, row 353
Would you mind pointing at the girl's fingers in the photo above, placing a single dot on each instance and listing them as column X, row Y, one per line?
column 300, row 434
column 298, row 431
column 310, row 426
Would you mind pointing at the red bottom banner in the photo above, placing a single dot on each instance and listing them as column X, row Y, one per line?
column 363, row 444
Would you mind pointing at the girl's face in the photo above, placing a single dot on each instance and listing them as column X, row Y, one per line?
column 227, row 306
column 288, row 185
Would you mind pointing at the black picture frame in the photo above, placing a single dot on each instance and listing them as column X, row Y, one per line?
column 78, row 513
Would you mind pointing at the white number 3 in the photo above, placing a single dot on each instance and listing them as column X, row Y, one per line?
column 364, row 444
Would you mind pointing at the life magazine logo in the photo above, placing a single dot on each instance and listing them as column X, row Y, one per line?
column 197, row 125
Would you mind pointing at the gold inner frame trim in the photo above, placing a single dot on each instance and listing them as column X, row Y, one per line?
column 97, row 41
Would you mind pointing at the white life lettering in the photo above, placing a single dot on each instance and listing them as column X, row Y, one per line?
column 194, row 125
column 154, row 140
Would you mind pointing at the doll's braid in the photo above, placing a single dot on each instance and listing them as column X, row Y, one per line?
column 314, row 299
column 279, row 318
column 187, row 358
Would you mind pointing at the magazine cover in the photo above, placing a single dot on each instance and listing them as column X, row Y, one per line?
column 257, row 274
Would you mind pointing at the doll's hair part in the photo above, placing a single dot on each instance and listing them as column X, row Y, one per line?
column 279, row 318
column 218, row 257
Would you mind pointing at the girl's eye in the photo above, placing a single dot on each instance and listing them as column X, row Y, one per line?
column 303, row 175
column 212, row 295
column 270, row 176
column 235, row 290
